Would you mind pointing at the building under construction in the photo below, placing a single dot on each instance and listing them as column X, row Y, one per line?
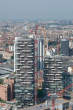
column 25, row 71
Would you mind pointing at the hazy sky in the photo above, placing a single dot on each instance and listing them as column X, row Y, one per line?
column 34, row 9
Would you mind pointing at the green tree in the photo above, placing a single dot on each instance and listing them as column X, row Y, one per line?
column 2, row 101
column 1, row 81
column 12, row 57
column 40, row 95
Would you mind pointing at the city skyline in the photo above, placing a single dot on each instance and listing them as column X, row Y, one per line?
column 36, row 9
column 36, row 65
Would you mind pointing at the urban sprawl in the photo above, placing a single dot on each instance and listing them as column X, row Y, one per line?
column 36, row 65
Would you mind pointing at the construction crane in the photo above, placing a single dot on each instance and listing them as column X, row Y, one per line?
column 43, row 32
column 45, row 40
column 60, row 93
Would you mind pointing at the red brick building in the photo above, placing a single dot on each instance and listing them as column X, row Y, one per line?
column 3, row 92
column 7, row 90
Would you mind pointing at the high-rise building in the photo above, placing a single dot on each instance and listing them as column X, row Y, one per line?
column 40, row 53
column 53, row 69
column 67, row 82
column 65, row 47
column 25, row 71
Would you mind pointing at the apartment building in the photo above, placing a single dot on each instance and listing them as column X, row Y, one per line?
column 25, row 71
column 54, row 67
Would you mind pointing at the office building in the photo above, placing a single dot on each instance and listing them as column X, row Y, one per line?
column 40, row 53
column 67, row 83
column 65, row 47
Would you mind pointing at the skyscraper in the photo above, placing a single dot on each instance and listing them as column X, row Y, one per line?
column 67, row 81
column 25, row 71
column 65, row 47
column 40, row 53
column 52, row 74
column 54, row 68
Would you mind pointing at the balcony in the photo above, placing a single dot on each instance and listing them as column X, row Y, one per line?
column 17, row 53
column 29, row 56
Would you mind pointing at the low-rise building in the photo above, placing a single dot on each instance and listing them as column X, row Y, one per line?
column 3, row 92
column 7, row 55
column 7, row 90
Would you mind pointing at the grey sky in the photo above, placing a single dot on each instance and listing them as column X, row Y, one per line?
column 47, row 9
